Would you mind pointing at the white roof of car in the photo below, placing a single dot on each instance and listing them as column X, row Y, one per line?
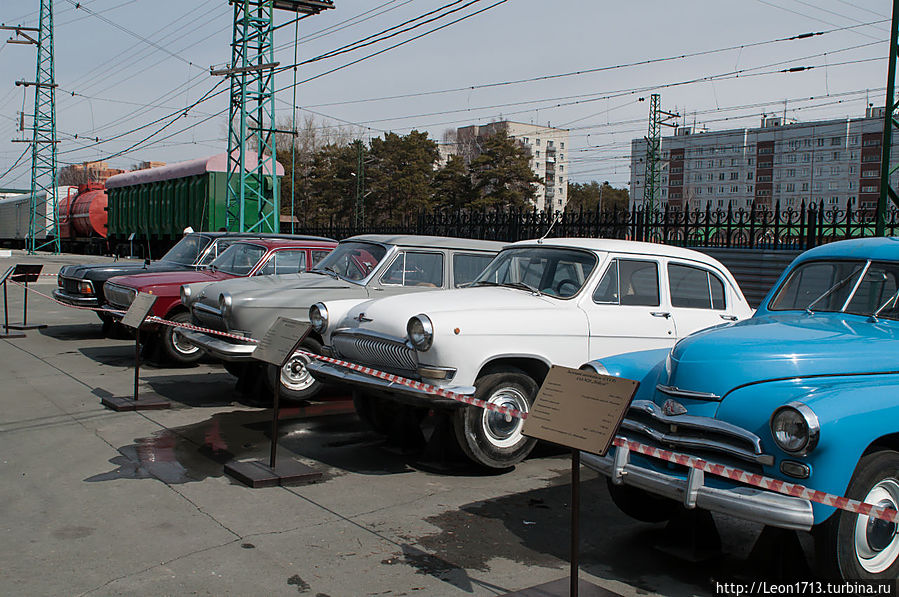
column 619, row 246
column 437, row 242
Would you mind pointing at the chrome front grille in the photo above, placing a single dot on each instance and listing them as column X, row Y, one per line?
column 119, row 296
column 70, row 285
column 207, row 316
column 705, row 437
column 374, row 351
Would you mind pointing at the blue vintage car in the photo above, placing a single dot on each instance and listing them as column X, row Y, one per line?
column 806, row 391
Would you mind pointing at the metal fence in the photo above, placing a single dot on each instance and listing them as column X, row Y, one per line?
column 760, row 228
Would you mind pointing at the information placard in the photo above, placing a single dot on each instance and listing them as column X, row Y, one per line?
column 281, row 340
column 579, row 409
column 139, row 309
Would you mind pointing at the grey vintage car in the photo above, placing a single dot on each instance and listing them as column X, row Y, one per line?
column 360, row 268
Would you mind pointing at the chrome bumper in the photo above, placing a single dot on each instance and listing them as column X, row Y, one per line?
column 748, row 503
column 220, row 349
column 330, row 373
column 73, row 299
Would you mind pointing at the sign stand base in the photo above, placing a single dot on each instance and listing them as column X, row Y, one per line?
column 276, row 348
column 26, row 326
column 562, row 588
column 9, row 334
column 257, row 474
column 129, row 403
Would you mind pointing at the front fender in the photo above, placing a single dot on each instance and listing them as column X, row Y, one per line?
column 853, row 413
column 644, row 366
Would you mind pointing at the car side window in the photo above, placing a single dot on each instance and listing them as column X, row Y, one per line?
column 878, row 285
column 694, row 287
column 629, row 282
column 412, row 268
column 467, row 267
column 284, row 262
column 318, row 255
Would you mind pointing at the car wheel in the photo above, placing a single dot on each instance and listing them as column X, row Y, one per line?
column 641, row 505
column 860, row 546
column 296, row 381
column 491, row 439
column 175, row 347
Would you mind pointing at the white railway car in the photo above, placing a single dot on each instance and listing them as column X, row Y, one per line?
column 15, row 213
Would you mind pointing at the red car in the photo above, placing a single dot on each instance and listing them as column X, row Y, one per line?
column 252, row 257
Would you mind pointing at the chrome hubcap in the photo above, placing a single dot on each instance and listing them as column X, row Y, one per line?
column 182, row 345
column 876, row 541
column 504, row 430
column 294, row 374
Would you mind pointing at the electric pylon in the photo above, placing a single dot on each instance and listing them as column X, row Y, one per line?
column 43, row 220
column 889, row 121
column 653, row 172
column 251, row 124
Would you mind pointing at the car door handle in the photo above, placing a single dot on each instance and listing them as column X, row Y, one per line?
column 664, row 314
column 728, row 317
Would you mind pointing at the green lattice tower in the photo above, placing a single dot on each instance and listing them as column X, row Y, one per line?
column 43, row 223
column 653, row 173
column 252, row 113
column 889, row 121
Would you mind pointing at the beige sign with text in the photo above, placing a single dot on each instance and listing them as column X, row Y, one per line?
column 579, row 409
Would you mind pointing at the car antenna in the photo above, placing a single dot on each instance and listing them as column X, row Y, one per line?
column 556, row 217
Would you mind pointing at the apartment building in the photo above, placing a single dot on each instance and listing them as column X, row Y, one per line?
column 549, row 156
column 836, row 162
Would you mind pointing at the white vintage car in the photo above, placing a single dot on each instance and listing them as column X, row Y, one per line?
column 538, row 303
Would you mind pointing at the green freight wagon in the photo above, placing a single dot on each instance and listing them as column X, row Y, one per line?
column 157, row 204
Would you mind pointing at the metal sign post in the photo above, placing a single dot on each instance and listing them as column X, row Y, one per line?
column 22, row 273
column 276, row 348
column 594, row 406
column 135, row 316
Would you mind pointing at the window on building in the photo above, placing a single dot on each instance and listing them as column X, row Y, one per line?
column 749, row 175
column 817, row 186
column 869, row 189
column 699, row 191
column 853, row 140
column 870, row 173
column 733, row 162
column 836, row 141
column 871, row 143
column 791, row 159
column 710, row 164
column 561, row 168
column 734, row 189
column 721, row 189
column 819, row 142
column 710, row 190
column 804, row 187
column 561, row 156
column 527, row 141
column 834, row 169
column 833, row 200
column 709, row 176
column 734, row 175
column 791, row 187
column 852, row 169
column 833, row 185
column 537, row 141
column 791, row 201
column 853, row 155
column 538, row 154
column 835, row 156
column 777, row 188
column 807, row 143
column 806, row 157
column 562, row 145
column 791, row 172
column 750, row 161
column 852, row 199
column 852, row 184
column 549, row 143
column 819, row 171
column 721, row 176
column 749, row 188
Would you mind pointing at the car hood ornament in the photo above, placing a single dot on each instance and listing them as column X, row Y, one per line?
column 361, row 318
column 672, row 408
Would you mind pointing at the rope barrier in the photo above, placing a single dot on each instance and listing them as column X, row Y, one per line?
column 719, row 470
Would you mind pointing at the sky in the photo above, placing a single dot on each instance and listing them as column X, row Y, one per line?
column 125, row 67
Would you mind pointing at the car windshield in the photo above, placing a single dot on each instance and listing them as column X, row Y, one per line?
column 187, row 250
column 352, row 260
column 851, row 286
column 551, row 271
column 239, row 259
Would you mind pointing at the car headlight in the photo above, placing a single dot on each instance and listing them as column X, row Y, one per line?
column 185, row 295
column 225, row 303
column 421, row 332
column 795, row 428
column 318, row 317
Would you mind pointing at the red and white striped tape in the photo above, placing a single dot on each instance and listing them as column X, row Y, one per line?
column 720, row 470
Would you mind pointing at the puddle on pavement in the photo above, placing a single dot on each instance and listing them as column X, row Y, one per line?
column 198, row 451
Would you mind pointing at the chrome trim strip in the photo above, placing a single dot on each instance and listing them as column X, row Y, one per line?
column 679, row 393
column 432, row 372
column 218, row 348
column 199, row 306
column 65, row 297
column 748, row 503
column 335, row 373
